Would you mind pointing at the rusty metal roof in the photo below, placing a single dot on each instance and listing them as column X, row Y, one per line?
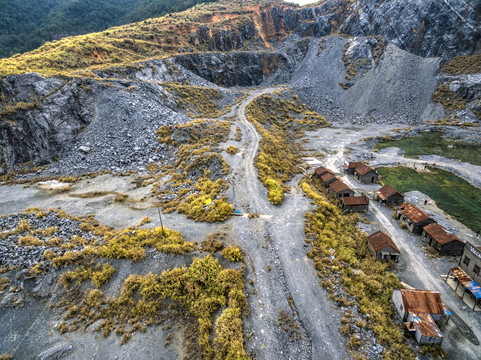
column 355, row 200
column 380, row 241
column 327, row 177
column 363, row 169
column 414, row 213
column 338, row 186
column 354, row 164
column 321, row 170
column 386, row 191
column 467, row 282
column 440, row 234
column 422, row 301
column 426, row 325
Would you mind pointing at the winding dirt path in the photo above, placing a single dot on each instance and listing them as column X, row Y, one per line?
column 278, row 264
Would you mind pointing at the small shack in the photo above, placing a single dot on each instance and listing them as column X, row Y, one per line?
column 419, row 309
column 443, row 241
column 387, row 195
column 413, row 217
column 355, row 203
column 366, row 174
column 350, row 167
column 338, row 189
column 382, row 247
column 321, row 170
column 328, row 178
column 467, row 274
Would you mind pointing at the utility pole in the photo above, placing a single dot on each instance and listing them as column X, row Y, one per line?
column 161, row 224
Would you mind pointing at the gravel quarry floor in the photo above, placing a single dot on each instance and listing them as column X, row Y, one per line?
column 276, row 258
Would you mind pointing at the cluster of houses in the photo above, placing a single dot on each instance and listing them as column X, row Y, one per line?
column 339, row 190
column 419, row 309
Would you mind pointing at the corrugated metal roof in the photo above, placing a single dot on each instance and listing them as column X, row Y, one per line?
column 363, row 169
column 327, row 177
column 426, row 325
column 386, row 191
column 380, row 241
column 322, row 169
column 414, row 213
column 467, row 282
column 440, row 234
column 422, row 301
column 355, row 200
column 338, row 186
column 354, row 164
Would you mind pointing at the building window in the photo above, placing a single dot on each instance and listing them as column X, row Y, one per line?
column 476, row 269
column 466, row 260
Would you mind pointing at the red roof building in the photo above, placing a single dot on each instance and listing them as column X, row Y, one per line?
column 441, row 240
column 382, row 247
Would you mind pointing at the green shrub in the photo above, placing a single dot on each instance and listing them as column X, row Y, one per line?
column 233, row 253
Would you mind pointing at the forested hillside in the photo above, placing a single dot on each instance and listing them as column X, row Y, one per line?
column 27, row 24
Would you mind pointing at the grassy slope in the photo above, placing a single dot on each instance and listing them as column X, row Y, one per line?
column 435, row 144
column 159, row 37
column 27, row 24
column 452, row 194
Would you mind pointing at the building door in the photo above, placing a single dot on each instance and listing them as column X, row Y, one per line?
column 372, row 180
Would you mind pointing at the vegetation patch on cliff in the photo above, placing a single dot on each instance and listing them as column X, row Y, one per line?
column 280, row 119
column 153, row 38
column 196, row 101
column 340, row 254
column 193, row 185
column 450, row 100
column 469, row 64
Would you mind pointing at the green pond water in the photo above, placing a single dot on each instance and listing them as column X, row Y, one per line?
column 452, row 194
column 435, row 144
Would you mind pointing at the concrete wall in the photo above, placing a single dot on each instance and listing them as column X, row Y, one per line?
column 399, row 305
column 426, row 340
column 472, row 253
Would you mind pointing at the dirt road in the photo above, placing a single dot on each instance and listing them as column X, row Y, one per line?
column 278, row 264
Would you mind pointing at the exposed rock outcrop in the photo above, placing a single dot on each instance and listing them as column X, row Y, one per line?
column 40, row 117
column 239, row 68
column 441, row 28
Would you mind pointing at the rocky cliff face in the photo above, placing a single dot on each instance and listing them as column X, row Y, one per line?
column 441, row 28
column 239, row 68
column 88, row 124
column 40, row 117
